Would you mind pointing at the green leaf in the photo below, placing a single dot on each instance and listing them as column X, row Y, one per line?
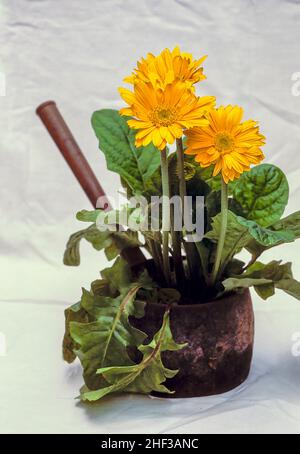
column 262, row 193
column 72, row 252
column 290, row 223
column 265, row 291
column 102, row 287
column 88, row 216
column 235, row 267
column 118, row 275
column 110, row 220
column 290, row 286
column 257, row 275
column 135, row 166
column 120, row 241
column 74, row 313
column 232, row 283
column 98, row 331
column 113, row 242
column 145, row 377
column 105, row 340
column 265, row 279
column 266, row 237
column 274, row 271
column 240, row 232
column 99, row 240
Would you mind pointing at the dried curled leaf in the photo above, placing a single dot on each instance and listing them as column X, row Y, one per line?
column 265, row 279
column 98, row 330
column 145, row 377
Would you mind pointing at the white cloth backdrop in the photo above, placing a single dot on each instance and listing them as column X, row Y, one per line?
column 77, row 53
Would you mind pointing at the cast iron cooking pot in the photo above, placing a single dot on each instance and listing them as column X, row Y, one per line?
column 220, row 337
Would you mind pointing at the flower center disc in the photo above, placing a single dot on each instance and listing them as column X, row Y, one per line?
column 163, row 117
column 224, row 143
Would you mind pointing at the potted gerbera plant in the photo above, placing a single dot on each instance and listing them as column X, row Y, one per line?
column 180, row 322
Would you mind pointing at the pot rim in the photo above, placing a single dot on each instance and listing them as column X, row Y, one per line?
column 226, row 299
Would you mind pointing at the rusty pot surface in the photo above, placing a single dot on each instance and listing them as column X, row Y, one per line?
column 220, row 337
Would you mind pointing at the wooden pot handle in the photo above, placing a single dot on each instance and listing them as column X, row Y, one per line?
column 67, row 145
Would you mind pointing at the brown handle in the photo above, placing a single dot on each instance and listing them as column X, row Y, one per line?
column 66, row 143
column 62, row 136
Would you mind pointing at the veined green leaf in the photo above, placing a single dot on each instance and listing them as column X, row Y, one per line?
column 136, row 166
column 145, row 377
column 266, row 237
column 290, row 224
column 262, row 193
column 105, row 341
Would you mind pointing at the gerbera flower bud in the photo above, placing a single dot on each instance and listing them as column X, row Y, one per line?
column 166, row 67
column 228, row 144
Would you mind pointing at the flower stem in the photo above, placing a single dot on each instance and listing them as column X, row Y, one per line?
column 190, row 247
column 224, row 222
column 180, row 161
column 165, row 215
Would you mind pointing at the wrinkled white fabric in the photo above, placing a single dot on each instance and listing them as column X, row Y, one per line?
column 77, row 53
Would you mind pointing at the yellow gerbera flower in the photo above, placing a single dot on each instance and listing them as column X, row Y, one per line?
column 166, row 67
column 162, row 115
column 226, row 142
